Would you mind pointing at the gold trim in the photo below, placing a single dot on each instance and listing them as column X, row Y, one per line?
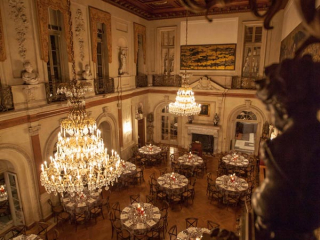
column 2, row 45
column 99, row 16
column 208, row 108
column 139, row 29
column 43, row 19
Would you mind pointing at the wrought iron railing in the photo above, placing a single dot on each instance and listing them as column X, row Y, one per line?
column 103, row 86
column 6, row 98
column 51, row 93
column 141, row 80
column 161, row 80
column 243, row 83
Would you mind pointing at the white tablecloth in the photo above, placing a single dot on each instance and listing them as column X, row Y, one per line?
column 128, row 169
column 193, row 161
column 170, row 186
column 80, row 202
column 150, row 150
column 238, row 186
column 135, row 223
column 192, row 233
column 235, row 160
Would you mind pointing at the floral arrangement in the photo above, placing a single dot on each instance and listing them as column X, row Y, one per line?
column 172, row 177
column 150, row 147
column 123, row 164
column 189, row 155
column 232, row 178
column 140, row 210
column 234, row 157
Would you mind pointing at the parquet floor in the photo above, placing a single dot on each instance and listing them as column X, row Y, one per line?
column 201, row 208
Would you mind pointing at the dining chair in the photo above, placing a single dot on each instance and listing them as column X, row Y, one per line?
column 135, row 198
column 212, row 225
column 173, row 232
column 96, row 211
column 123, row 234
column 116, row 210
column 154, row 233
column 150, row 199
column 191, row 222
column 56, row 209
column 188, row 195
column 42, row 230
column 62, row 218
column 80, row 218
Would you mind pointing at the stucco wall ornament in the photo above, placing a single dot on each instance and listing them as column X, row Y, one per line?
column 2, row 46
column 43, row 19
column 99, row 16
column 18, row 14
column 139, row 30
column 205, row 83
column 80, row 29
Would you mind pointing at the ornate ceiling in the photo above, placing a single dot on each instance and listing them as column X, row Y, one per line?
column 162, row 9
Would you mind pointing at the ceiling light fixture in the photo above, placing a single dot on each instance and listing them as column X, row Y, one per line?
column 185, row 104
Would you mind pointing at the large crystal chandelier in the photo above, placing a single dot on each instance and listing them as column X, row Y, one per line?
column 185, row 104
column 81, row 161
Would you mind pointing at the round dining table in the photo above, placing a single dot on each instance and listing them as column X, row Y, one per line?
column 190, row 160
column 139, row 218
column 235, row 160
column 129, row 169
column 149, row 150
column 173, row 183
column 27, row 237
column 227, row 184
column 192, row 233
column 80, row 202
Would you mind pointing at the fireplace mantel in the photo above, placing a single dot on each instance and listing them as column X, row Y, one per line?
column 205, row 129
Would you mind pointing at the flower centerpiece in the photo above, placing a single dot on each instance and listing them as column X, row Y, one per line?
column 234, row 157
column 189, row 155
column 3, row 193
column 232, row 178
column 123, row 164
column 150, row 147
column 173, row 177
column 140, row 210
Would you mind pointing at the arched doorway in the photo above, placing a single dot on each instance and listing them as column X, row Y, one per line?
column 169, row 127
column 106, row 134
column 245, row 128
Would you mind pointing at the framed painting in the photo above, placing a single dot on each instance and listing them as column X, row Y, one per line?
column 205, row 110
column 208, row 57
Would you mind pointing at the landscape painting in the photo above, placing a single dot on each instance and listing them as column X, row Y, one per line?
column 208, row 57
column 291, row 43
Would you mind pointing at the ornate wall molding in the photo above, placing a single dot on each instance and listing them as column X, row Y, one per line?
column 2, row 46
column 43, row 21
column 79, row 30
column 139, row 30
column 18, row 14
column 34, row 130
column 99, row 16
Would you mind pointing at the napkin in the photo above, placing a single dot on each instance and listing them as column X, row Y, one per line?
column 158, row 216
column 70, row 204
column 166, row 185
column 83, row 204
column 91, row 200
column 126, row 209
column 155, row 209
column 146, row 204
column 32, row 237
column 151, row 222
column 66, row 200
column 175, row 186
column 128, row 223
column 123, row 216
column 140, row 226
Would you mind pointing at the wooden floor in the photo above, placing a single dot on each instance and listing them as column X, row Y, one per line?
column 201, row 208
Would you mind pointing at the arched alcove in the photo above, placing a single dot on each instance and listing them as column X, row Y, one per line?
column 108, row 119
column 21, row 164
column 249, row 117
column 106, row 134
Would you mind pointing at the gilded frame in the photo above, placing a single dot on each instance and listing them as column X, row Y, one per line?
column 205, row 110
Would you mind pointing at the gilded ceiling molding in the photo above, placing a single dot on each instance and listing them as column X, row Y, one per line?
column 2, row 46
column 99, row 16
column 139, row 30
column 43, row 19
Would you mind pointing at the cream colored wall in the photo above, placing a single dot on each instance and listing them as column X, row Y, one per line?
column 122, row 35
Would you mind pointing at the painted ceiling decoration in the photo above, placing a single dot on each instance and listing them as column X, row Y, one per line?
column 162, row 9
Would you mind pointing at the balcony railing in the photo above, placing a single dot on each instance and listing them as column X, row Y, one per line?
column 6, row 98
column 160, row 80
column 243, row 83
column 103, row 86
column 141, row 80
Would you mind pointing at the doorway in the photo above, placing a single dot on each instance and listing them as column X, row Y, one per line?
column 169, row 127
column 106, row 135
column 141, row 133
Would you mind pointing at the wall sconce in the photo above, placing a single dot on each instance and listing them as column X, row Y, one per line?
column 127, row 127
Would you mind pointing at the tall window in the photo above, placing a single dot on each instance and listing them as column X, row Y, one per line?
column 252, row 51
column 169, row 126
column 57, row 48
column 102, row 57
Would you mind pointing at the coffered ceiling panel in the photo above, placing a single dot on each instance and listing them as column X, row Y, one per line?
column 162, row 9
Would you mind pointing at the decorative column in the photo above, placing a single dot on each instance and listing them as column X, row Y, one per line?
column 120, row 124
column 36, row 147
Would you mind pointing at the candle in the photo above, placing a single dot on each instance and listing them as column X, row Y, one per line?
column 45, row 163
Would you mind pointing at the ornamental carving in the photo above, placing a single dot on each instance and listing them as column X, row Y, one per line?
column 139, row 30
column 18, row 14
column 2, row 47
column 99, row 16
column 43, row 19
column 80, row 29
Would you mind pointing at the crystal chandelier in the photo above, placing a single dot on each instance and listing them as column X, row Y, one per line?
column 81, row 161
column 3, row 193
column 185, row 104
